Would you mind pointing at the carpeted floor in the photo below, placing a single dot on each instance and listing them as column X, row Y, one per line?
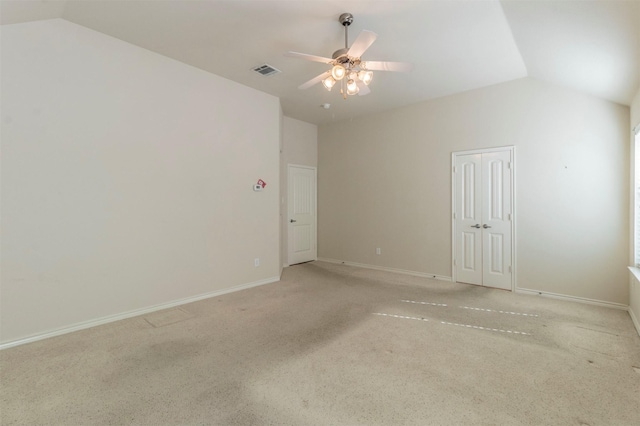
column 337, row 345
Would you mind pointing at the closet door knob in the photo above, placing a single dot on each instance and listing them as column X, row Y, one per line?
column 485, row 226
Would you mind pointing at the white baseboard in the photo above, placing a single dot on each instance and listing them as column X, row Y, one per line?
column 636, row 323
column 382, row 268
column 585, row 300
column 134, row 313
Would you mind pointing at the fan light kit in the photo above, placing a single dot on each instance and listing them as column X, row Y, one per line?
column 347, row 68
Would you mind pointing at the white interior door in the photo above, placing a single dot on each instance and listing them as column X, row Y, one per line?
column 301, row 214
column 468, row 218
column 483, row 218
column 496, row 219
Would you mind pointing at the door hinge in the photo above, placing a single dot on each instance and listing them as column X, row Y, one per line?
column 454, row 169
column 509, row 165
column 509, row 269
column 508, row 216
column 454, row 215
column 454, row 262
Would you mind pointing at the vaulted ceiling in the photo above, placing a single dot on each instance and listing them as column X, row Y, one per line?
column 454, row 46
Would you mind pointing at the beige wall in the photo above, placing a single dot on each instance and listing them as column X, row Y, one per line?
column 634, row 300
column 634, row 284
column 300, row 143
column 300, row 147
column 126, row 180
column 635, row 110
column 384, row 181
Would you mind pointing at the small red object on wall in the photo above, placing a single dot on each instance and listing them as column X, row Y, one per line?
column 262, row 183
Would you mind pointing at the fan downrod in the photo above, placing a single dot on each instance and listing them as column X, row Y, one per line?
column 345, row 19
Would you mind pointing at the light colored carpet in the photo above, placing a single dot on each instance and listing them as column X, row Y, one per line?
column 333, row 345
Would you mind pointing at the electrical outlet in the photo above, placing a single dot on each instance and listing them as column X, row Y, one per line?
column 378, row 251
column 256, row 262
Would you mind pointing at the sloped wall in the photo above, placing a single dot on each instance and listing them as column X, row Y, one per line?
column 126, row 179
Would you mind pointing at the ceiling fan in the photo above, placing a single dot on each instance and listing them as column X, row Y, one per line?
column 347, row 67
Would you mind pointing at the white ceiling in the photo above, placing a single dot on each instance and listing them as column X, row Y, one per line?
column 591, row 46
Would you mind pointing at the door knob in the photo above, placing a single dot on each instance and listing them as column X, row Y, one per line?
column 292, row 220
column 485, row 226
column 477, row 225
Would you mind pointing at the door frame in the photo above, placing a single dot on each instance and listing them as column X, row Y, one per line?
column 315, row 210
column 512, row 155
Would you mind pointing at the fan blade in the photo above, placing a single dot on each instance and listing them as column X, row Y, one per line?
column 309, row 57
column 362, row 43
column 386, row 66
column 363, row 88
column 314, row 80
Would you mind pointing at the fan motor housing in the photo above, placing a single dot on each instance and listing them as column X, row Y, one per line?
column 340, row 52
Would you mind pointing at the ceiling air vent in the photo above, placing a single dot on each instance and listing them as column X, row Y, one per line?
column 266, row 70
